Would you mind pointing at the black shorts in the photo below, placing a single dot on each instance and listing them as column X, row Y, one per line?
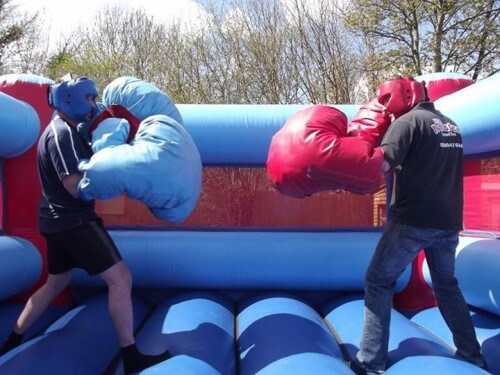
column 88, row 246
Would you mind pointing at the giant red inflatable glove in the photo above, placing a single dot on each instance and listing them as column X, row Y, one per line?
column 370, row 122
column 312, row 153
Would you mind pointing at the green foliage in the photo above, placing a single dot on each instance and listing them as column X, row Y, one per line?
column 10, row 34
column 58, row 65
column 420, row 36
column 13, row 29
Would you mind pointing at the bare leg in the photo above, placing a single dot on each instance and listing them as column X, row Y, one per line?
column 119, row 282
column 40, row 300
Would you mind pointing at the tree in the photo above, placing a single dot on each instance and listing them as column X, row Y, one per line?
column 59, row 64
column 420, row 36
column 469, row 40
column 257, row 52
column 321, row 52
column 118, row 43
column 14, row 29
column 269, row 52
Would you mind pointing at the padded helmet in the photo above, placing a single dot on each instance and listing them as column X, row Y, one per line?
column 400, row 95
column 70, row 97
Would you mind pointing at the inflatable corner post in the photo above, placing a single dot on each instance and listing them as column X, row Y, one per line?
column 25, row 112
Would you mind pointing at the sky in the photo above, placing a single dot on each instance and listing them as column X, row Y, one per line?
column 63, row 16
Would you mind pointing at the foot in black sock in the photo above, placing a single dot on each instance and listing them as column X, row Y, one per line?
column 13, row 340
column 134, row 361
column 356, row 367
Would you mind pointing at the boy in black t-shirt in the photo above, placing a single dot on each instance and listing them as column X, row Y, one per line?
column 424, row 149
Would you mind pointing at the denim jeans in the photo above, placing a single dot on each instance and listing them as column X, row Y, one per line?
column 397, row 248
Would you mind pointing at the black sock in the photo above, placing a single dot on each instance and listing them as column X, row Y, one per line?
column 13, row 340
column 134, row 360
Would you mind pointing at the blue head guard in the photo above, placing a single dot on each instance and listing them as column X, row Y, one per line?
column 70, row 97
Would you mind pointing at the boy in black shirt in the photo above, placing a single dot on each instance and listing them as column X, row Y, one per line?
column 424, row 148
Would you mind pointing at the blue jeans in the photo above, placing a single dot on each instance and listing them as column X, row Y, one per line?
column 397, row 248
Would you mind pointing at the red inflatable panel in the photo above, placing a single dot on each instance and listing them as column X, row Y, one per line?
column 439, row 88
column 444, row 83
column 312, row 153
column 22, row 184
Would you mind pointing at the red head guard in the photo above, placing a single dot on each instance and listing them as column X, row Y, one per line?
column 400, row 95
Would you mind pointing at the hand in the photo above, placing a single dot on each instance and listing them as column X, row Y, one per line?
column 71, row 184
column 386, row 167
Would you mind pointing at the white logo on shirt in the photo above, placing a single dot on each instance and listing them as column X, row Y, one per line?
column 439, row 127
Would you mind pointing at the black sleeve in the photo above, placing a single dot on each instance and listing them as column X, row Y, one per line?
column 66, row 152
column 397, row 141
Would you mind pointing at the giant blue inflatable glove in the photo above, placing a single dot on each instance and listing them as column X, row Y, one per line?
column 148, row 156
column 141, row 98
column 110, row 132
column 161, row 167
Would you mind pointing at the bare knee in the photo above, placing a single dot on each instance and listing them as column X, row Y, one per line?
column 55, row 284
column 118, row 276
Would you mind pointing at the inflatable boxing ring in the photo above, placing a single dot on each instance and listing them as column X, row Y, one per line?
column 231, row 300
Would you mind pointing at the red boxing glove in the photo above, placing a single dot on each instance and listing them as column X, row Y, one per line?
column 312, row 153
column 370, row 122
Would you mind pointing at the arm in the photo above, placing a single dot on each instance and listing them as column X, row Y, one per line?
column 385, row 167
column 396, row 143
column 66, row 150
column 71, row 184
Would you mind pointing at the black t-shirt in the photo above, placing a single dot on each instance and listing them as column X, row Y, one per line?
column 60, row 149
column 425, row 149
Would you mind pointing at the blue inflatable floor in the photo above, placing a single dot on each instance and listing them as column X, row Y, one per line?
column 253, row 333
